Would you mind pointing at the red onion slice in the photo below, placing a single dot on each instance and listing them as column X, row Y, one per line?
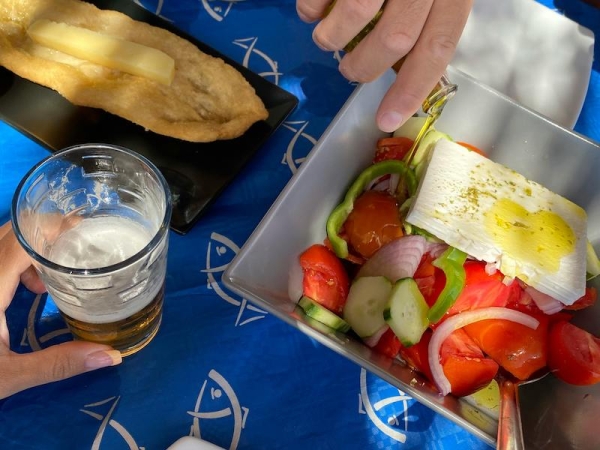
column 435, row 249
column 395, row 260
column 381, row 183
column 394, row 181
column 453, row 323
column 548, row 304
column 491, row 268
column 384, row 186
column 373, row 340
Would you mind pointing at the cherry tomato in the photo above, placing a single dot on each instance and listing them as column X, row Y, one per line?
column 473, row 148
column 520, row 350
column 388, row 345
column 392, row 148
column 574, row 354
column 482, row 289
column 588, row 299
column 373, row 222
column 325, row 278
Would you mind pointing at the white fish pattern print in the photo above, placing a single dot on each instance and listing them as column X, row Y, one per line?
column 386, row 406
column 33, row 336
column 218, row 9
column 107, row 422
column 219, row 254
column 157, row 10
column 255, row 59
column 300, row 145
column 218, row 401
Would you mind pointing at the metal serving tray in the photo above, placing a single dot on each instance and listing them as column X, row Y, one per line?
column 555, row 416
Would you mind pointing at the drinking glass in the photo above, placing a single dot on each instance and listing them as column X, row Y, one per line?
column 95, row 220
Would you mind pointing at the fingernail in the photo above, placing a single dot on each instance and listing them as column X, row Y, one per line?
column 304, row 17
column 317, row 42
column 390, row 121
column 103, row 358
column 343, row 68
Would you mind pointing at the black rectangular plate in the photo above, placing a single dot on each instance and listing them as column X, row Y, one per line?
column 196, row 172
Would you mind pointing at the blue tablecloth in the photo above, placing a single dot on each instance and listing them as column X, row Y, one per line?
column 220, row 368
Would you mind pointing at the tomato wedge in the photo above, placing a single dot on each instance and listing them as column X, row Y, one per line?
column 574, row 354
column 473, row 148
column 426, row 268
column 482, row 289
column 416, row 355
column 430, row 279
column 373, row 222
column 465, row 366
column 588, row 299
column 524, row 303
column 325, row 279
column 388, row 345
column 517, row 348
column 392, row 148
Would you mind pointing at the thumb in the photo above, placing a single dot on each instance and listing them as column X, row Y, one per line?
column 31, row 280
column 22, row 371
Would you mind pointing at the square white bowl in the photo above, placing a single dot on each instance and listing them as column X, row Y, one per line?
column 513, row 135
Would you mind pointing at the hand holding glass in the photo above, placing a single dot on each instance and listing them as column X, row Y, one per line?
column 95, row 220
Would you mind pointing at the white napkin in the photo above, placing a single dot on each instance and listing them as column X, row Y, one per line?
column 530, row 53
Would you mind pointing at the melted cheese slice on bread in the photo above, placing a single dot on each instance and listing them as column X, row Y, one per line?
column 207, row 99
column 109, row 51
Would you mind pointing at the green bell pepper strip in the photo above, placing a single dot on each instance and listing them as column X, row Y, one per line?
column 342, row 211
column 452, row 264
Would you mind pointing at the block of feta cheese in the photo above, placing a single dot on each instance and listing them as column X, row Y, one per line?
column 497, row 215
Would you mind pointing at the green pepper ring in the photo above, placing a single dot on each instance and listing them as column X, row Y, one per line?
column 339, row 215
column 452, row 264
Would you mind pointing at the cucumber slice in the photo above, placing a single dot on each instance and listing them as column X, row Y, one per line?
column 321, row 314
column 406, row 312
column 411, row 128
column 366, row 301
column 593, row 264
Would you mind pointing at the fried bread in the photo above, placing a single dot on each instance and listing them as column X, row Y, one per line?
column 207, row 99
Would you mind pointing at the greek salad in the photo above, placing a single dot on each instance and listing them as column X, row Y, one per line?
column 456, row 265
